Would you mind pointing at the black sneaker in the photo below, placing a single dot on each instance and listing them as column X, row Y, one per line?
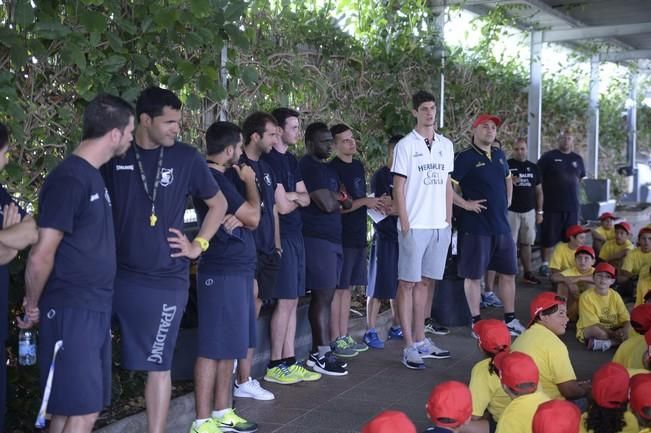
column 328, row 365
column 530, row 278
column 314, row 358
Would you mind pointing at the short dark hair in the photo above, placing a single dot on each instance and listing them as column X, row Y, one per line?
column 4, row 135
column 339, row 128
column 154, row 99
column 313, row 129
column 256, row 122
column 420, row 97
column 104, row 113
column 281, row 115
column 220, row 135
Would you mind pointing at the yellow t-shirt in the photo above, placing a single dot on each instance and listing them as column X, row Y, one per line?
column 630, row 424
column 574, row 272
column 518, row 415
column 630, row 352
column 562, row 257
column 642, row 287
column 646, row 430
column 550, row 355
column 637, row 262
column 608, row 310
column 487, row 391
column 611, row 247
column 606, row 234
column 633, row 371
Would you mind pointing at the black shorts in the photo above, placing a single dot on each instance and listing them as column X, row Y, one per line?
column 266, row 274
column 552, row 229
column 481, row 253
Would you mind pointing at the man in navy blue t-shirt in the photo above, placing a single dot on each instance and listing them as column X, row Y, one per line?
column 225, row 274
column 71, row 270
column 149, row 188
column 485, row 242
column 17, row 231
column 353, row 238
column 322, row 237
column 290, row 195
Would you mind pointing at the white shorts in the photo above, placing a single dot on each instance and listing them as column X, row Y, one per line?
column 523, row 227
column 423, row 253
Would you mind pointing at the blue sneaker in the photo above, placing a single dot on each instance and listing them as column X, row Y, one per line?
column 395, row 333
column 491, row 300
column 372, row 340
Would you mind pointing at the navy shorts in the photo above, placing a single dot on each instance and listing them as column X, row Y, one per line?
column 554, row 225
column 149, row 321
column 227, row 319
column 290, row 283
column 354, row 271
column 323, row 262
column 266, row 274
column 383, row 269
column 81, row 383
column 479, row 253
column 3, row 382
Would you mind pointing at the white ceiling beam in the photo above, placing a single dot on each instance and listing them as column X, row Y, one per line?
column 621, row 56
column 595, row 32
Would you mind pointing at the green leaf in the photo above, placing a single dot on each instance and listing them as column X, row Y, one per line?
column 234, row 10
column 18, row 55
column 131, row 94
column 186, row 69
column 200, row 8
column 114, row 63
column 210, row 72
column 114, row 41
column 93, row 21
column 193, row 102
column 249, row 75
column 175, row 81
column 94, row 39
column 51, row 30
column 24, row 13
column 237, row 36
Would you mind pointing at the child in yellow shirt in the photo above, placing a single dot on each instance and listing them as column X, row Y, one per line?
column 641, row 400
column 635, row 268
column 630, row 353
column 605, row 231
column 615, row 250
column 563, row 254
column 576, row 280
column 604, row 321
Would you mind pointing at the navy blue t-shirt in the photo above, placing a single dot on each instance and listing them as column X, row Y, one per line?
column 285, row 168
column 143, row 251
column 524, row 192
column 74, row 200
column 561, row 174
column 229, row 253
column 382, row 184
column 5, row 199
column 266, row 181
column 316, row 223
column 483, row 177
column 353, row 223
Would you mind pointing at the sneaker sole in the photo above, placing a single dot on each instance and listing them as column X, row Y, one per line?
column 328, row 372
column 280, row 382
column 345, row 355
column 433, row 356
column 311, row 379
column 413, row 366
column 440, row 332
column 361, row 350
column 233, row 429
column 255, row 397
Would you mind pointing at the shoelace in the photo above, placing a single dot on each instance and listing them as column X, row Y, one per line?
column 284, row 369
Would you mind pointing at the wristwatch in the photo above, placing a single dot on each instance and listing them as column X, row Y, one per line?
column 539, row 212
column 203, row 244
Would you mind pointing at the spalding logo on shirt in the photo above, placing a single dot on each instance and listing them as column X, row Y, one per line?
column 166, row 176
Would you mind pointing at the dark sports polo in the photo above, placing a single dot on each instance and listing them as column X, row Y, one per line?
column 382, row 184
column 353, row 223
column 143, row 251
column 561, row 174
column 482, row 176
column 285, row 168
column 266, row 181
column 316, row 223
column 229, row 253
column 524, row 192
column 74, row 200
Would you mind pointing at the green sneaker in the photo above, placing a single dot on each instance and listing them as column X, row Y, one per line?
column 232, row 422
column 340, row 348
column 282, row 375
column 304, row 374
column 209, row 426
column 357, row 347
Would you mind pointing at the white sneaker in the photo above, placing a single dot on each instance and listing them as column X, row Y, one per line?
column 252, row 389
column 596, row 345
column 515, row 327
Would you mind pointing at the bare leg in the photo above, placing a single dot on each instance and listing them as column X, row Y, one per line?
column 279, row 326
column 372, row 310
column 344, row 311
column 158, row 391
column 421, row 291
column 290, row 336
column 490, row 281
column 595, row 332
column 335, row 313
column 525, row 257
column 472, row 288
column 80, row 423
column 204, row 385
column 395, row 311
column 429, row 300
column 244, row 365
column 319, row 315
column 405, row 307
column 57, row 424
column 546, row 253
column 224, row 385
column 507, row 292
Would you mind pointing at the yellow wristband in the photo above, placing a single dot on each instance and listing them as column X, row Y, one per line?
column 203, row 244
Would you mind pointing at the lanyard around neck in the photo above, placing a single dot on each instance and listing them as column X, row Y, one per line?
column 152, row 197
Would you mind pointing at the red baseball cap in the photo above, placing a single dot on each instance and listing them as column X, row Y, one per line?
column 449, row 404
column 517, row 371
column 641, row 318
column 390, row 421
column 624, row 226
column 640, row 395
column 643, row 230
column 575, row 230
column 606, row 267
column 493, row 335
column 586, row 250
column 610, row 385
column 483, row 118
column 542, row 302
column 557, row 416
column 607, row 215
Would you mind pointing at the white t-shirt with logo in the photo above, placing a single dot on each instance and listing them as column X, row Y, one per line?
column 427, row 173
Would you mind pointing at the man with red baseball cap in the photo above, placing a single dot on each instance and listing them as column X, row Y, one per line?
column 605, row 232
column 604, row 321
column 577, row 279
column 482, row 175
column 541, row 341
column 390, row 421
column 519, row 376
column 561, row 170
column 641, row 400
column 557, row 416
column 631, row 352
column 563, row 255
column 636, row 266
column 449, row 406
column 493, row 337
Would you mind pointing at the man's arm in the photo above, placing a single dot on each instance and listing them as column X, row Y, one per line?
column 369, row 202
column 469, row 205
column 326, row 200
column 539, row 204
column 284, row 200
column 573, row 389
column 20, row 235
column 509, row 190
column 278, row 244
column 449, row 199
column 399, row 190
column 249, row 213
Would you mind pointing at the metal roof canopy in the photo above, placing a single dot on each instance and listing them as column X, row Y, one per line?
column 624, row 26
